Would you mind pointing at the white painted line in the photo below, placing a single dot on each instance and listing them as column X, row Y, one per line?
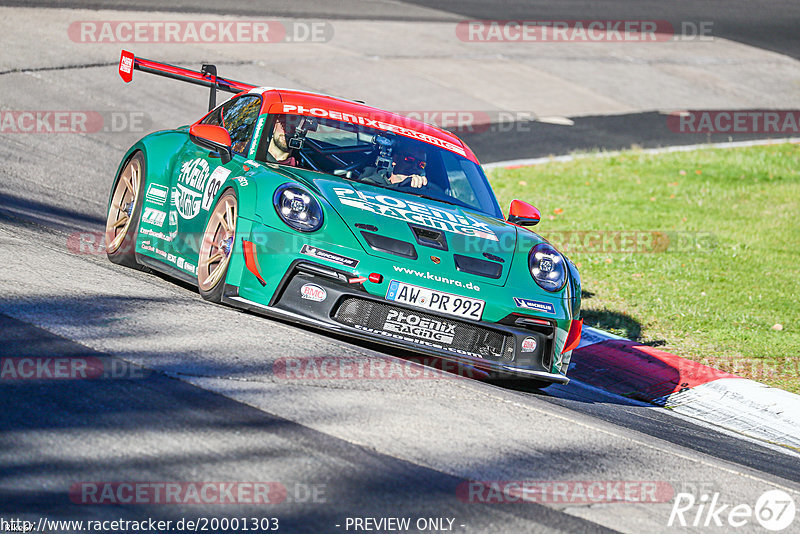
column 664, row 150
column 745, row 406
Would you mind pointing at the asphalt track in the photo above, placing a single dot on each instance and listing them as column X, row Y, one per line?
column 765, row 25
column 196, row 398
column 769, row 25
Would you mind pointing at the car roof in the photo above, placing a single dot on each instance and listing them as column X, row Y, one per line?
column 318, row 104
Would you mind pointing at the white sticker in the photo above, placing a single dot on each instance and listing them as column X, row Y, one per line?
column 219, row 175
column 153, row 216
column 157, row 194
column 529, row 344
column 313, row 292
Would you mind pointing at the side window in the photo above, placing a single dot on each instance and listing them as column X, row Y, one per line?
column 214, row 118
column 239, row 118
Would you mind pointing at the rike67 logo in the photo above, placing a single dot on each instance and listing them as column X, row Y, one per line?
column 774, row 510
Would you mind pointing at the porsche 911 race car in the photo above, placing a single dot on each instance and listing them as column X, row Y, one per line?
column 334, row 214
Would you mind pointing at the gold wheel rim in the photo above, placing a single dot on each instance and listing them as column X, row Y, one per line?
column 123, row 202
column 215, row 250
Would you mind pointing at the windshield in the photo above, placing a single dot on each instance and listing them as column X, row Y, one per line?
column 380, row 158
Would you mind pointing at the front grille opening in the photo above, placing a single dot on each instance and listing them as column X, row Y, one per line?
column 390, row 245
column 477, row 266
column 432, row 330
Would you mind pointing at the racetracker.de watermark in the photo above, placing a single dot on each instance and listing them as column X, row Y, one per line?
column 18, row 368
column 465, row 121
column 567, row 241
column 200, row 31
column 73, row 122
column 202, row 492
column 573, row 492
column 582, row 31
column 343, row 368
column 786, row 369
column 630, row 241
column 755, row 121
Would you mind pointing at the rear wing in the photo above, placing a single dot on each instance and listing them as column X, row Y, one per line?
column 206, row 77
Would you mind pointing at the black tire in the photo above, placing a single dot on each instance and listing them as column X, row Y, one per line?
column 216, row 247
column 124, row 211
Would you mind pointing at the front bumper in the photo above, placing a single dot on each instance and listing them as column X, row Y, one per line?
column 323, row 297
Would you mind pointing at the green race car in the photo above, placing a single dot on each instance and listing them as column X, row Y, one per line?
column 334, row 214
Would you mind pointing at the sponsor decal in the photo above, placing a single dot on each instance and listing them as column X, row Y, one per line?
column 322, row 254
column 178, row 261
column 157, row 235
column 188, row 192
column 185, row 265
column 430, row 276
column 126, row 66
column 534, row 305
column 147, row 246
column 415, row 212
column 242, row 181
column 410, row 324
column 157, row 194
column 153, row 216
column 313, row 292
column 374, row 123
column 417, row 341
column 256, row 135
column 219, row 175
column 173, row 225
column 529, row 344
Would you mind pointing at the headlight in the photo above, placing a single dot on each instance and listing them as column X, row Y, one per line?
column 548, row 267
column 298, row 208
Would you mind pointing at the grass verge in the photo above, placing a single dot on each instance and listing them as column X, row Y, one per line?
column 696, row 252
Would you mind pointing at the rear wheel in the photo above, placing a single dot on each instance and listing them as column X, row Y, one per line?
column 216, row 247
column 123, row 213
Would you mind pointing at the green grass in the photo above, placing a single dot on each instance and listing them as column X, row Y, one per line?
column 717, row 300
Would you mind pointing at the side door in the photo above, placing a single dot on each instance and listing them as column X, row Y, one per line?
column 198, row 176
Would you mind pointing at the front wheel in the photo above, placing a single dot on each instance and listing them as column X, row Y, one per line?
column 123, row 213
column 216, row 247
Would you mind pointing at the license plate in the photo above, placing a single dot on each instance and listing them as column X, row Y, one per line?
column 435, row 301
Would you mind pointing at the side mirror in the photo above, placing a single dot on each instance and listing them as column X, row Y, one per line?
column 214, row 138
column 523, row 214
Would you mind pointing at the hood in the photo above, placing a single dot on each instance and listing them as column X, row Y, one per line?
column 388, row 223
